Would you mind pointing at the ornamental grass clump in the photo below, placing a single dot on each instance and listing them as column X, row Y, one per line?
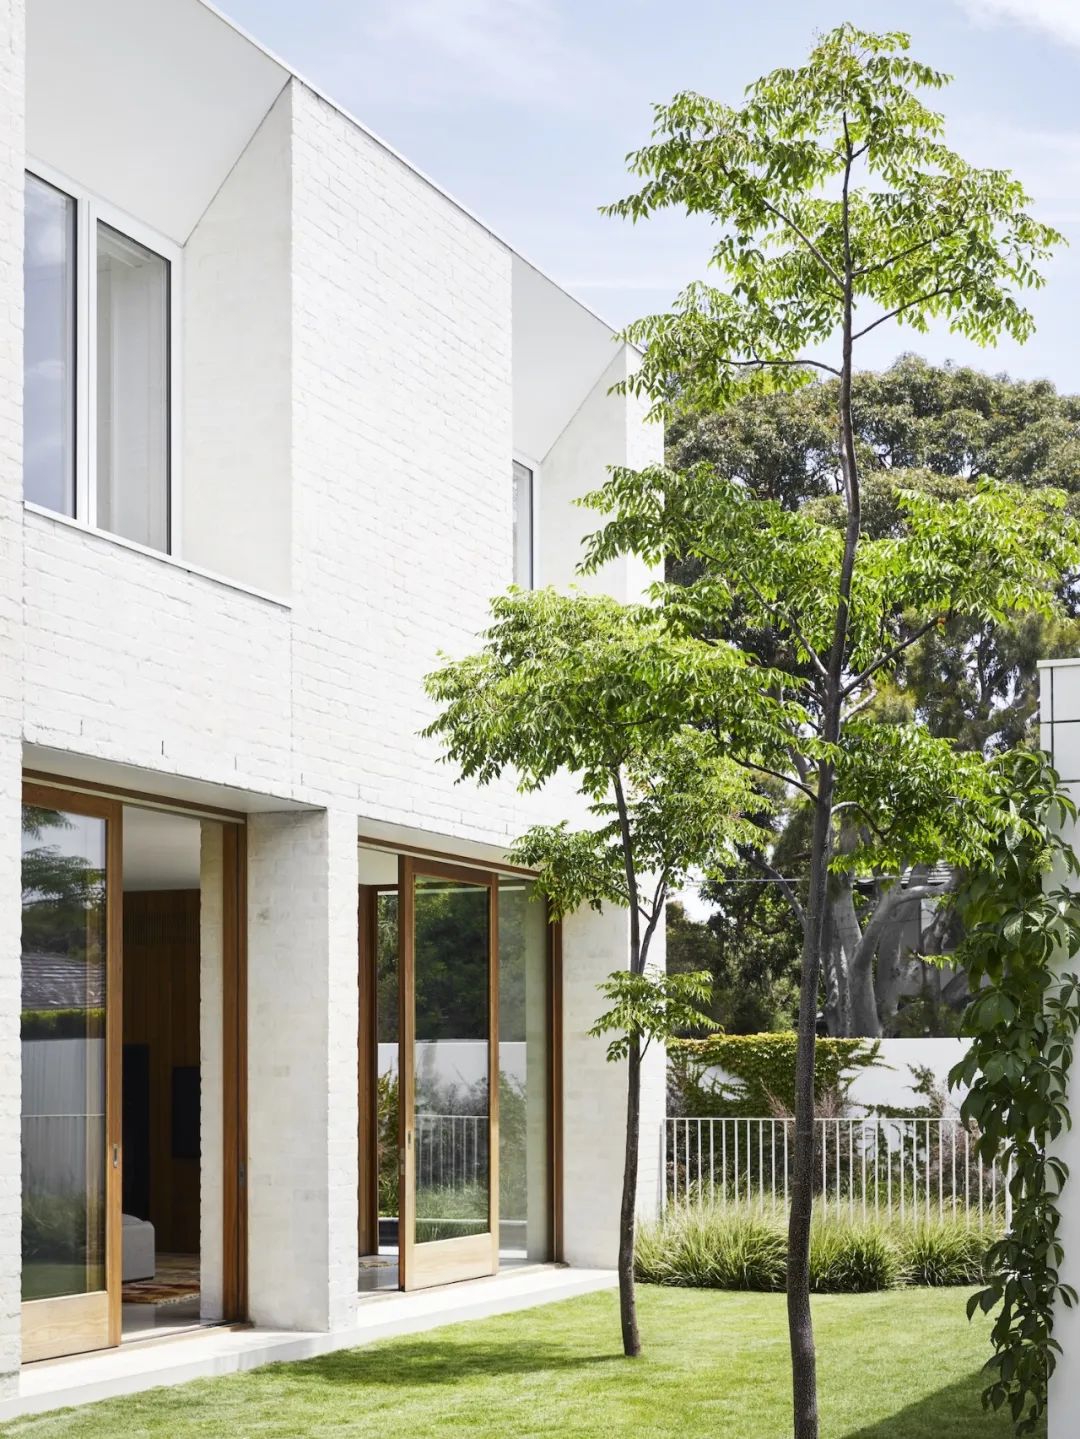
column 950, row 1250
column 708, row 1247
column 852, row 1256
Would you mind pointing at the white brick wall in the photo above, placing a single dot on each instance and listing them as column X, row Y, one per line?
column 594, row 1095
column 385, row 461
column 11, row 238
column 302, row 1023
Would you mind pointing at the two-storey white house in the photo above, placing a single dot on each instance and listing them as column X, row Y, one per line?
column 279, row 1026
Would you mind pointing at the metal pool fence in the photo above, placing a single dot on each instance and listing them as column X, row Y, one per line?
column 922, row 1168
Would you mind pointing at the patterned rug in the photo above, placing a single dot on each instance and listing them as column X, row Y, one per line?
column 176, row 1279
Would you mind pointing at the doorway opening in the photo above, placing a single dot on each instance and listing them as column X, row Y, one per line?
column 456, row 1056
column 133, row 1055
column 161, row 1103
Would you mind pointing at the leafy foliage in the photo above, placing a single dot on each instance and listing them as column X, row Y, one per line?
column 1021, row 918
column 613, row 695
column 838, row 208
column 763, row 1068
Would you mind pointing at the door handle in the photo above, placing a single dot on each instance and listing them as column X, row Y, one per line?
column 116, row 1156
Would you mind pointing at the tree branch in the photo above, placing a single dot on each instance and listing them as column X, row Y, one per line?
column 776, row 774
column 786, row 887
column 893, row 654
column 908, row 250
column 786, row 364
column 907, row 305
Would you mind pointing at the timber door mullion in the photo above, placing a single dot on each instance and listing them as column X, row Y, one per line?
column 406, row 1072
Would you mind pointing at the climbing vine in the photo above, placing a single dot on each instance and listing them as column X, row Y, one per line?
column 1022, row 924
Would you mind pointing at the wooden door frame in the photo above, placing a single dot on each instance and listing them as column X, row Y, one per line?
column 368, row 1067
column 443, row 1261
column 367, row 1133
column 55, row 791
column 234, row 1096
column 86, row 1309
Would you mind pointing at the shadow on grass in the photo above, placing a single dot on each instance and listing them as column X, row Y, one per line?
column 435, row 1361
column 952, row 1413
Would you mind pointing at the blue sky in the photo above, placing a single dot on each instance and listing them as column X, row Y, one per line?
column 524, row 110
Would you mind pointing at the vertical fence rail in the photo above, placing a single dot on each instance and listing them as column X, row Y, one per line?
column 924, row 1168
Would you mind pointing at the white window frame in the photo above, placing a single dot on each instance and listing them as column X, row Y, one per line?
column 89, row 209
column 521, row 458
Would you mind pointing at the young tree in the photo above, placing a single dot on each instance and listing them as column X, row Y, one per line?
column 840, row 209
column 599, row 689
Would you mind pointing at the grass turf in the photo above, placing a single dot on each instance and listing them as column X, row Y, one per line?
column 896, row 1365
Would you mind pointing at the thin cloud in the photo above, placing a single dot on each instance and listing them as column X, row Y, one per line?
column 1058, row 18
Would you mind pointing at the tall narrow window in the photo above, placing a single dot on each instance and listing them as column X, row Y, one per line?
column 132, row 390
column 523, row 526
column 49, row 348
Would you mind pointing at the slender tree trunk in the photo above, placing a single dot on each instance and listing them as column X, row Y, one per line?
column 800, row 1324
column 628, row 1213
column 831, row 689
column 628, row 1208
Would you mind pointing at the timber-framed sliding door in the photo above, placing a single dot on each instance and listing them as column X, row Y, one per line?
column 448, row 1073
column 71, row 1051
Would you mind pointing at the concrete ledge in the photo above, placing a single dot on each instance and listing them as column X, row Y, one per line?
column 155, row 1363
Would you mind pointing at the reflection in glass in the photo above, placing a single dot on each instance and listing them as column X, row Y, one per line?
column 63, row 1053
column 523, row 1075
column 451, row 1059
column 380, row 1270
column 523, row 526
column 132, row 390
column 49, row 348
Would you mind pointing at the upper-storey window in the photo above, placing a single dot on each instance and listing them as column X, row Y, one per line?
column 97, row 378
column 524, row 565
column 49, row 349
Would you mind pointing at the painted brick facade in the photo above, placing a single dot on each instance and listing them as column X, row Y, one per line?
column 12, row 33
column 349, row 419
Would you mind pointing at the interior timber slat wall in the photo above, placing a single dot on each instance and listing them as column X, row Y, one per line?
column 161, row 1011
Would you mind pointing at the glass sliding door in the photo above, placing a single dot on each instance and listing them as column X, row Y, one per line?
column 448, row 1067
column 70, row 1073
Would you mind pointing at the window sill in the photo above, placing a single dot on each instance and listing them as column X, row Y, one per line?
column 172, row 560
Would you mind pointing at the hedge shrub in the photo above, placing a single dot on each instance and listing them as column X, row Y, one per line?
column 762, row 1070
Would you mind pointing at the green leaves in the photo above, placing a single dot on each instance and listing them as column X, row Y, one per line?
column 651, row 1005
column 1023, row 1023
column 830, row 180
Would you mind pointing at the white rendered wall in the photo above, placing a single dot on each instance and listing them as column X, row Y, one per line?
column 605, row 430
column 594, row 1095
column 1059, row 713
column 11, row 299
column 236, row 356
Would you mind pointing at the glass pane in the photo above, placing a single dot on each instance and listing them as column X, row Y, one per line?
column 381, row 1271
column 132, row 390
column 63, row 1053
column 49, row 348
column 451, row 1059
column 523, row 1076
column 523, row 536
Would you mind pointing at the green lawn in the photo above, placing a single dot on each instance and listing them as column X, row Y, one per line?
column 899, row 1365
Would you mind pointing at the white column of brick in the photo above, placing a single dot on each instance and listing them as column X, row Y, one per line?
column 211, row 1173
column 1059, row 712
column 594, row 1096
column 12, row 158
column 302, row 1070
